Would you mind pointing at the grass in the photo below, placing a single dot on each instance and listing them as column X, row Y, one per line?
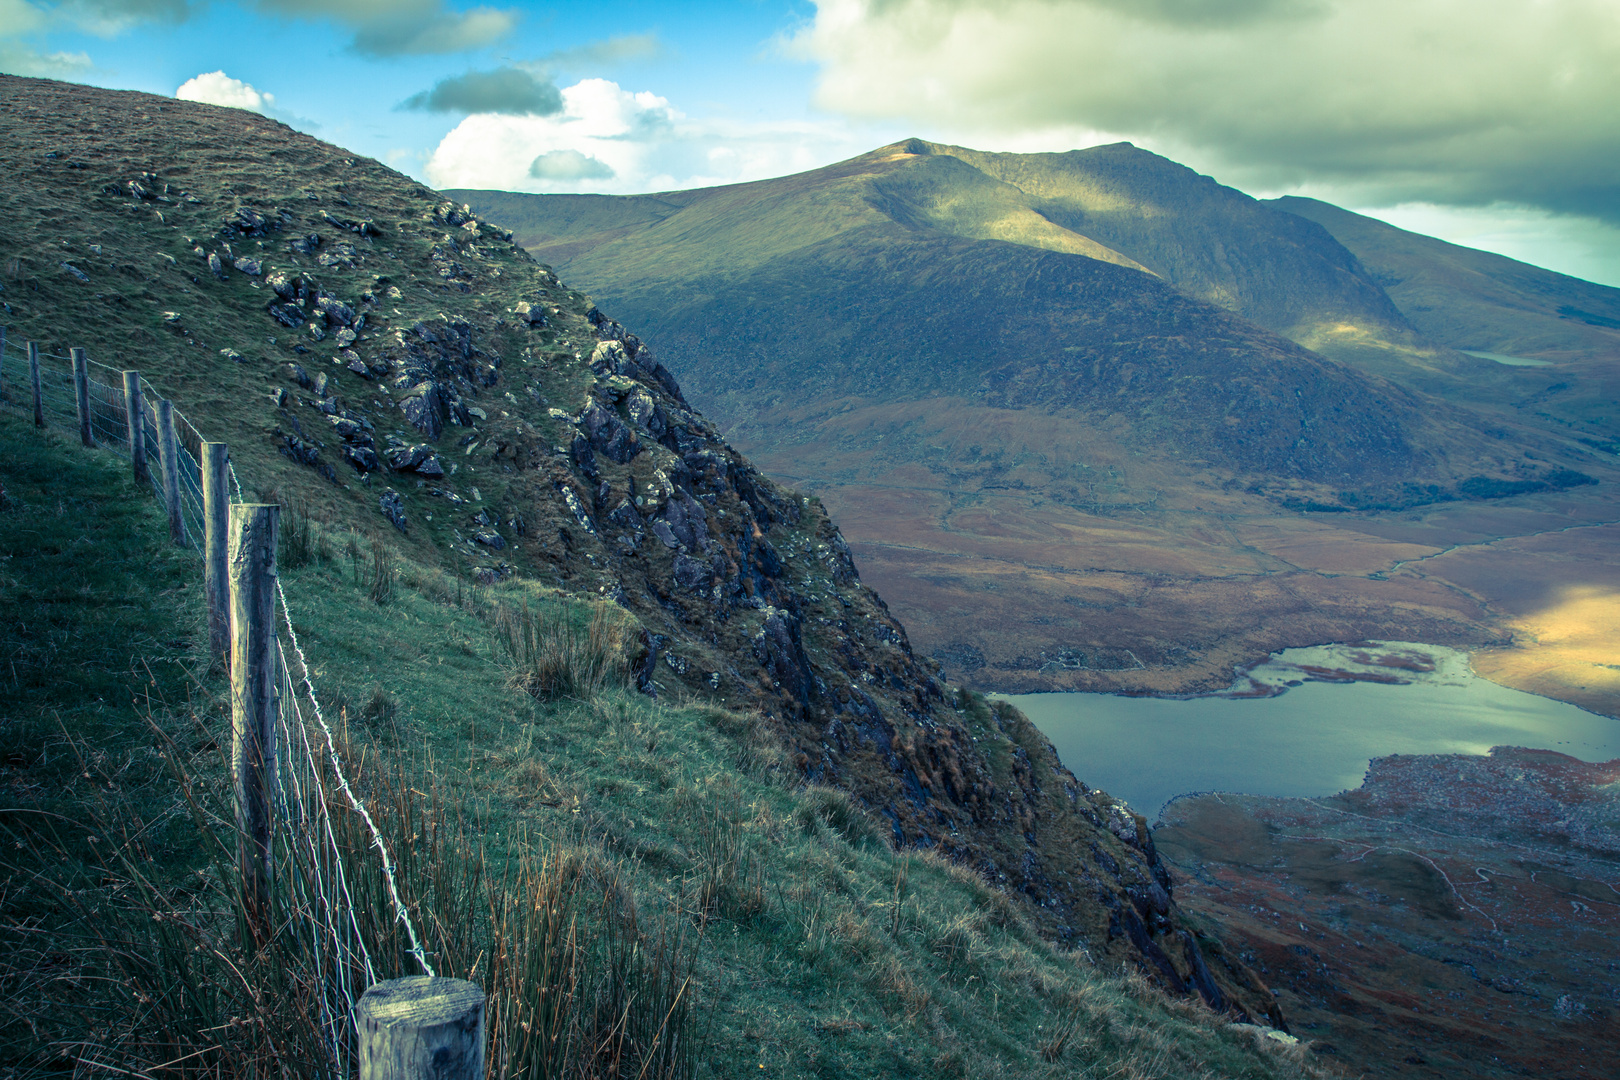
column 642, row 879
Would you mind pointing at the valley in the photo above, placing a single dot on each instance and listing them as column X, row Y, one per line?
column 1132, row 466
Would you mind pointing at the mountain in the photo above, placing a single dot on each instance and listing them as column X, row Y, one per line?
column 1545, row 344
column 1053, row 402
column 391, row 364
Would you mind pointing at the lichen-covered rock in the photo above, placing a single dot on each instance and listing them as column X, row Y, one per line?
column 393, row 508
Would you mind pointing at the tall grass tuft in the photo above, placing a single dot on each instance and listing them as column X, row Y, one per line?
column 383, row 570
column 553, row 656
column 149, row 976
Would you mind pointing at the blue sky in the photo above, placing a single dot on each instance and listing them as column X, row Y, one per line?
column 1487, row 122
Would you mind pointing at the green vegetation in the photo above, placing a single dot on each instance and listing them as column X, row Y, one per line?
column 625, row 853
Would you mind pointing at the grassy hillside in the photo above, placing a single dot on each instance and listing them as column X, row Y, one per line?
column 814, row 950
column 423, row 392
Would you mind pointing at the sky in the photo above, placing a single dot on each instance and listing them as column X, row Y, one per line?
column 1491, row 123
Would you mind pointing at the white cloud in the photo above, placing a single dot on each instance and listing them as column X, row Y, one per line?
column 608, row 139
column 1446, row 101
column 218, row 88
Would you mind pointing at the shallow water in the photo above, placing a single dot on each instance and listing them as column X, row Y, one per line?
column 1510, row 361
column 1314, row 737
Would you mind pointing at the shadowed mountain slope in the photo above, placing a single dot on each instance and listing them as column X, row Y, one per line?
column 403, row 368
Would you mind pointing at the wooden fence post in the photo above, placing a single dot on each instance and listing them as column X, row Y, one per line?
column 252, row 560
column 419, row 1028
column 33, row 379
column 135, row 410
column 81, row 394
column 169, row 449
column 216, row 508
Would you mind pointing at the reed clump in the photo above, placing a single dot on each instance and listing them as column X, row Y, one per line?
column 562, row 651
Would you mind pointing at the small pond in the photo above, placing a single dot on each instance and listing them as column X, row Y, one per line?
column 1305, row 722
column 1510, row 361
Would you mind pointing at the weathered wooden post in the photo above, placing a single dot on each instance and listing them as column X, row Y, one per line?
column 33, row 379
column 169, row 449
column 216, row 508
column 252, row 562
column 135, row 410
column 81, row 394
column 419, row 1028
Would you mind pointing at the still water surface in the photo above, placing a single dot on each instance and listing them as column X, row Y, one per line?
column 1316, row 737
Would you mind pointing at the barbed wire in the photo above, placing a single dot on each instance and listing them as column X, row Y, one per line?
column 400, row 912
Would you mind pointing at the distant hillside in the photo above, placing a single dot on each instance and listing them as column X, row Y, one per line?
column 1485, row 303
column 1062, row 463
column 395, row 365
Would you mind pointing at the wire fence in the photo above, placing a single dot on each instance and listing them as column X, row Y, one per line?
column 310, row 779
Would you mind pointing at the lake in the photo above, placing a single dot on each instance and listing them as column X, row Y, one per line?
column 1330, row 710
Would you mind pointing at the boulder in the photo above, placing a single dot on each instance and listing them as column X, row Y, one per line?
column 250, row 267
column 363, row 458
column 289, row 315
column 489, row 538
column 692, row 574
column 393, row 508
column 216, row 265
column 609, row 435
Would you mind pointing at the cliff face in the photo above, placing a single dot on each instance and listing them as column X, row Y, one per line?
column 405, row 368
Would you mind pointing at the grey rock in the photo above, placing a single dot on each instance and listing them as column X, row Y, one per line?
column 691, row 574
column 287, row 315
column 317, row 331
column 216, row 266
column 609, row 435
column 250, row 267
column 490, row 539
column 300, row 376
column 306, row 245
column 660, row 528
column 363, row 458
column 346, row 429
column 424, row 409
column 393, row 508
column 626, row 516
column 248, row 222
column 345, row 337
column 75, row 273
column 282, row 285
column 430, row 467
column 357, row 365
column 336, row 311
column 320, row 384
column 530, row 313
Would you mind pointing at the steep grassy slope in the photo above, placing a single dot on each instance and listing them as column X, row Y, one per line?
column 813, row 949
column 404, row 369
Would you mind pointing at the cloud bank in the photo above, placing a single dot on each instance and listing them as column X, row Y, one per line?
column 509, row 90
column 1460, row 102
column 608, row 139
